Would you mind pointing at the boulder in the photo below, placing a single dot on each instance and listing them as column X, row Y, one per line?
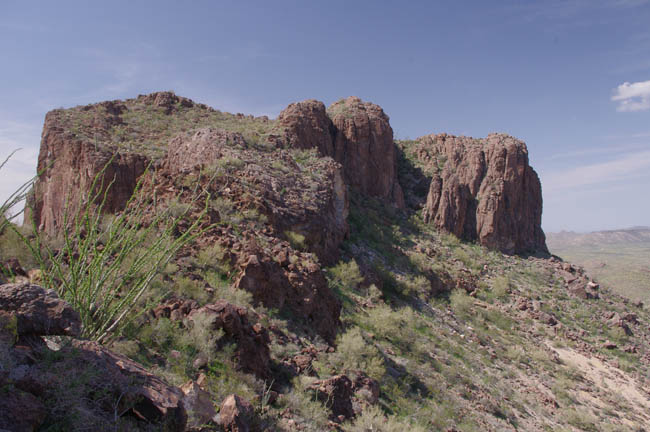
column 483, row 190
column 236, row 414
column 307, row 126
column 143, row 395
column 336, row 393
column 20, row 411
column 198, row 404
column 37, row 311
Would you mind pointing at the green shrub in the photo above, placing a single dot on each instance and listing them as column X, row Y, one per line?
column 373, row 419
column 501, row 287
column 354, row 352
column 296, row 240
column 461, row 303
column 345, row 276
column 189, row 288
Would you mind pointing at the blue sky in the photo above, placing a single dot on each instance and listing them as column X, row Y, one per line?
column 570, row 77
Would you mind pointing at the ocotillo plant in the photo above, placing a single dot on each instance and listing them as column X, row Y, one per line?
column 7, row 208
column 106, row 264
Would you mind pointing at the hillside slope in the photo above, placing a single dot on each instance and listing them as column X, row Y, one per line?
column 342, row 282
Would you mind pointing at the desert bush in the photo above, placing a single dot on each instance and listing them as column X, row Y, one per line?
column 501, row 287
column 311, row 414
column 461, row 303
column 373, row 419
column 223, row 289
column 189, row 288
column 354, row 352
column 296, row 240
column 345, row 276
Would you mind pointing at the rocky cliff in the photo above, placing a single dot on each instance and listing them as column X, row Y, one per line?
column 482, row 190
column 356, row 134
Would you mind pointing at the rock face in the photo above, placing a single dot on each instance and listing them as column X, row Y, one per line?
column 69, row 165
column 356, row 134
column 484, row 190
column 336, row 393
column 37, row 311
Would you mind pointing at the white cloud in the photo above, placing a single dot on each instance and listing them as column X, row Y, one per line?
column 630, row 168
column 633, row 96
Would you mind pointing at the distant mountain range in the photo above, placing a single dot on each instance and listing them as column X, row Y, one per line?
column 564, row 239
column 617, row 258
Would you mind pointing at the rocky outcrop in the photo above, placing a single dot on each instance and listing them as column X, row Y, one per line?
column 80, row 380
column 483, row 190
column 307, row 126
column 68, row 164
column 356, row 134
column 308, row 198
column 290, row 281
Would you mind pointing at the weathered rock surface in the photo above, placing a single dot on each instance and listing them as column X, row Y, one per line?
column 37, row 311
column 298, row 286
column 69, row 164
column 144, row 395
column 235, row 414
column 308, row 198
column 356, row 134
column 336, row 393
column 198, row 405
column 307, row 126
column 252, row 340
column 483, row 190
column 20, row 411
column 84, row 379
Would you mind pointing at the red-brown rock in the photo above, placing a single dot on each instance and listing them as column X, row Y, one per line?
column 145, row 395
column 20, row 411
column 235, row 414
column 364, row 146
column 303, row 290
column 198, row 404
column 37, row 311
column 307, row 126
column 69, row 164
column 484, row 190
column 336, row 393
column 356, row 134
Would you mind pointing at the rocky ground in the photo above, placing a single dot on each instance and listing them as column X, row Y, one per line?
column 341, row 281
